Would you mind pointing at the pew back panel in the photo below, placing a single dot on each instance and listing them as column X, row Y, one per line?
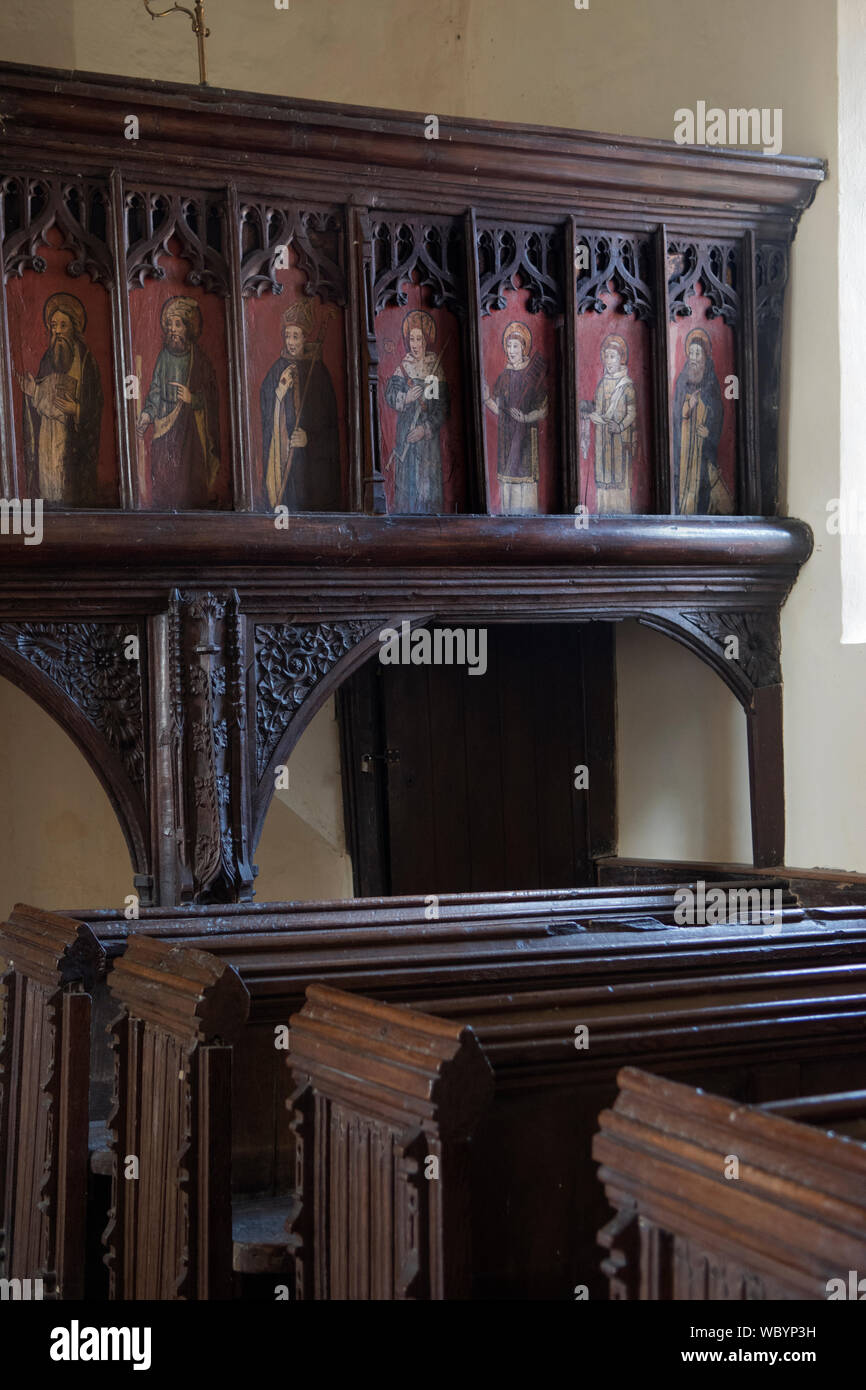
column 385, row 1101
column 169, row 1231
column 724, row 1202
column 47, row 963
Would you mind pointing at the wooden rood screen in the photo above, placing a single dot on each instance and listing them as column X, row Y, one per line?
column 46, row 964
column 386, row 1100
column 169, row 1234
column 721, row 1201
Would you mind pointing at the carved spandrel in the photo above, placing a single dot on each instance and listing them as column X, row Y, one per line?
column 88, row 662
column 425, row 251
column 291, row 660
column 757, row 649
column 198, row 224
column 716, row 265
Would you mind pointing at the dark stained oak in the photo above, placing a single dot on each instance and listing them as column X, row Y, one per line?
column 384, row 1104
column 48, row 965
column 788, row 1223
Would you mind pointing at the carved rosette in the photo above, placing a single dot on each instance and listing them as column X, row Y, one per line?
column 758, row 644
column 291, row 660
column 207, row 733
column 88, row 662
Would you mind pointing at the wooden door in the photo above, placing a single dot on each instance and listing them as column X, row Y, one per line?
column 459, row 783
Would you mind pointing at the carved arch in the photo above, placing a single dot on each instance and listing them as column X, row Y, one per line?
column 298, row 668
column 706, row 633
column 126, row 798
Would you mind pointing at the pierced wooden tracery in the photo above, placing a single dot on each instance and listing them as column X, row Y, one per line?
column 198, row 222
column 602, row 259
column 79, row 209
column 315, row 236
column 717, row 265
column 511, row 258
column 425, row 250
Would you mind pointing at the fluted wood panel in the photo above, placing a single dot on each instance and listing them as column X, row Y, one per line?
column 169, row 1231
column 46, row 962
column 381, row 1091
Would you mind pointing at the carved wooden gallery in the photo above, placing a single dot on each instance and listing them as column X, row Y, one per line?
column 276, row 376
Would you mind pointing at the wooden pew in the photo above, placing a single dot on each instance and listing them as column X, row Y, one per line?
column 47, row 966
column 753, row 1013
column 385, row 1101
column 169, row 1234
column 717, row 1201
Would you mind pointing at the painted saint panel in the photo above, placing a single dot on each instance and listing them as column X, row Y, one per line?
column 182, row 419
column 519, row 363
column 703, row 411
column 296, row 364
column 615, row 405
column 60, row 340
column 420, row 407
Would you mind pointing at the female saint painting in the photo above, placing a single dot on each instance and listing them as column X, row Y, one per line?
column 519, row 402
column 418, row 392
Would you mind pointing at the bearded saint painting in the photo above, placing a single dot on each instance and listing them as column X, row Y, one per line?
column 62, row 410
column 697, row 428
column 183, row 407
column 300, row 432
column 418, row 392
column 519, row 401
column 613, row 411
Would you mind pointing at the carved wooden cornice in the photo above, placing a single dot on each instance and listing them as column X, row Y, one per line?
column 270, row 141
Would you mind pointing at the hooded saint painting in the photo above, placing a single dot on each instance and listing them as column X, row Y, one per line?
column 698, row 414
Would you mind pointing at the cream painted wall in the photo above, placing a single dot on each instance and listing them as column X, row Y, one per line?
column 302, row 852
column 60, row 842
column 622, row 67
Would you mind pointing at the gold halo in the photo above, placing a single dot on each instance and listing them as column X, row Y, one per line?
column 615, row 341
column 521, row 331
column 68, row 304
column 704, row 338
